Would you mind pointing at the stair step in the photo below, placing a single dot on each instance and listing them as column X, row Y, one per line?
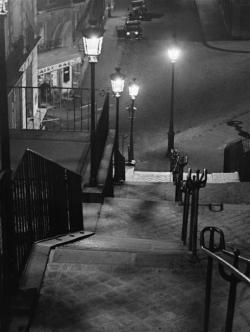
column 127, row 244
column 230, row 193
column 137, row 252
column 142, row 176
column 162, row 220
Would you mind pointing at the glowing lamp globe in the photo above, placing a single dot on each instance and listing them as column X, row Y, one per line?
column 133, row 89
column 117, row 82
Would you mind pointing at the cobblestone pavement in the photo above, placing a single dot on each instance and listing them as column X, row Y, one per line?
column 230, row 193
column 98, row 297
column 163, row 220
column 135, row 275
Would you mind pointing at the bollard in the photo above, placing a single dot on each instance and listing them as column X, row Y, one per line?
column 197, row 181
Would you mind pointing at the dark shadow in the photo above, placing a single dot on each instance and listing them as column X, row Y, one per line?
column 237, row 125
column 226, row 37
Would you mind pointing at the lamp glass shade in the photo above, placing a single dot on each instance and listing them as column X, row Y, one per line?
column 3, row 9
column 133, row 90
column 117, row 82
column 92, row 45
column 173, row 54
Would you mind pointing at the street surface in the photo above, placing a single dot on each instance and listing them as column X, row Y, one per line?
column 211, row 86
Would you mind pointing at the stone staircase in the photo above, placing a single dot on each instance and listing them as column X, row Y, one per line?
column 141, row 176
column 135, row 274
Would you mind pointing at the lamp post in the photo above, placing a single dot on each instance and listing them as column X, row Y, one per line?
column 133, row 92
column 92, row 42
column 173, row 54
column 5, row 142
column 117, row 84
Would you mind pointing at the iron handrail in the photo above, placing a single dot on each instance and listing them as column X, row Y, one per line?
column 39, row 155
column 58, row 88
column 233, row 275
column 241, row 258
column 228, row 265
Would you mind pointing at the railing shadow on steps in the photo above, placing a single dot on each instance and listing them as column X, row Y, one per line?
column 42, row 199
column 212, row 243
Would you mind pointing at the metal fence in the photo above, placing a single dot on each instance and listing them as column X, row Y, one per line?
column 44, row 200
column 237, row 158
column 52, row 108
column 232, row 267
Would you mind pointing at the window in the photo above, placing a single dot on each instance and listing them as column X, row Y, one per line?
column 66, row 74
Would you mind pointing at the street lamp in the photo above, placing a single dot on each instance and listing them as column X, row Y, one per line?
column 133, row 92
column 173, row 54
column 92, row 42
column 117, row 84
column 5, row 142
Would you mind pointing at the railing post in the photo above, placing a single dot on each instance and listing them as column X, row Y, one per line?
column 213, row 248
column 208, row 283
column 228, row 271
column 187, row 193
column 173, row 159
column 233, row 280
column 198, row 181
column 181, row 163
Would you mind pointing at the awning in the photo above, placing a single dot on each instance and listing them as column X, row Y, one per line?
column 57, row 58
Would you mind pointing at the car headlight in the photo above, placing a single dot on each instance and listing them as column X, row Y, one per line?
column 128, row 33
column 136, row 32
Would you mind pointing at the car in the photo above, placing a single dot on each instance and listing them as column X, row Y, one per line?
column 139, row 10
column 132, row 29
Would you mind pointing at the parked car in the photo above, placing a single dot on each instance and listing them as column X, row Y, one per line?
column 139, row 10
column 130, row 30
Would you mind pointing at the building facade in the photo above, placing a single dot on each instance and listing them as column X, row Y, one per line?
column 60, row 59
column 21, row 55
column 44, row 49
column 236, row 15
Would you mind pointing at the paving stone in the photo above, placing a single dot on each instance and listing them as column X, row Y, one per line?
column 135, row 274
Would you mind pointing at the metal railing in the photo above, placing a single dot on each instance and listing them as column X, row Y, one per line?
column 57, row 108
column 46, row 202
column 191, row 188
column 41, row 200
column 177, row 164
column 231, row 272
